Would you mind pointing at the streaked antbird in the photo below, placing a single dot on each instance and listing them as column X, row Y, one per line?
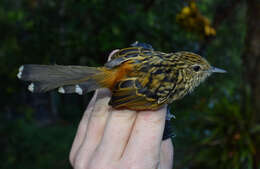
column 139, row 77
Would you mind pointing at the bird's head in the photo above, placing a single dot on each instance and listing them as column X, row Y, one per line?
column 192, row 70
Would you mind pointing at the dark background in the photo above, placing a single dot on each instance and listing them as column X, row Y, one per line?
column 217, row 126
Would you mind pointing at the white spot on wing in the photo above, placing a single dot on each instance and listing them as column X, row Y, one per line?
column 61, row 90
column 31, row 87
column 78, row 90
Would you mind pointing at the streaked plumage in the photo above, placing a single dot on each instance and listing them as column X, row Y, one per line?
column 139, row 77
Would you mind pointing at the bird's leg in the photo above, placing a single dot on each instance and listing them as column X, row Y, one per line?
column 168, row 129
column 169, row 116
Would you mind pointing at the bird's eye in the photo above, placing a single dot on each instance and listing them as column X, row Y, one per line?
column 196, row 68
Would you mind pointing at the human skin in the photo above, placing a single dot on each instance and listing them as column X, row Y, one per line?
column 120, row 139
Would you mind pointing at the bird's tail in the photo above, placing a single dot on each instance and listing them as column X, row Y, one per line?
column 68, row 79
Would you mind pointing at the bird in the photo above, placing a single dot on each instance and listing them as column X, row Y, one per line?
column 139, row 77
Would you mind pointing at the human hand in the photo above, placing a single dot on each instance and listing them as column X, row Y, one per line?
column 120, row 139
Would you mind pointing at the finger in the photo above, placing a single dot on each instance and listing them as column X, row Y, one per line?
column 80, row 135
column 100, row 114
column 146, row 137
column 95, row 129
column 101, row 94
column 116, row 135
column 166, row 154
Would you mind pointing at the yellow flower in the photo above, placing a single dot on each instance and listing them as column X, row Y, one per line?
column 209, row 30
column 185, row 11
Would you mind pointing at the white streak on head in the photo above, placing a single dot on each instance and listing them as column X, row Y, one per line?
column 31, row 87
column 19, row 75
column 78, row 90
column 61, row 90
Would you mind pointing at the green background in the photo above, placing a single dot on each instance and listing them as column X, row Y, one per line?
column 214, row 126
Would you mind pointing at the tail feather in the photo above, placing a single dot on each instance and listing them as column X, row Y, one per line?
column 49, row 73
column 80, row 88
column 70, row 79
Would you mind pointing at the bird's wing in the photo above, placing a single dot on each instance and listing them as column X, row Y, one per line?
column 128, row 93
column 159, row 76
column 136, row 52
column 122, row 56
column 150, row 82
column 143, row 45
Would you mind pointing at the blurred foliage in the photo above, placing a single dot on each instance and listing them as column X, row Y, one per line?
column 192, row 20
column 30, row 146
column 36, row 131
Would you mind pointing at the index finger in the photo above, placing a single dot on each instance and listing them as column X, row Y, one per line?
column 146, row 137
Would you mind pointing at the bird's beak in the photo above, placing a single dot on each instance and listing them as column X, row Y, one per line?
column 217, row 70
